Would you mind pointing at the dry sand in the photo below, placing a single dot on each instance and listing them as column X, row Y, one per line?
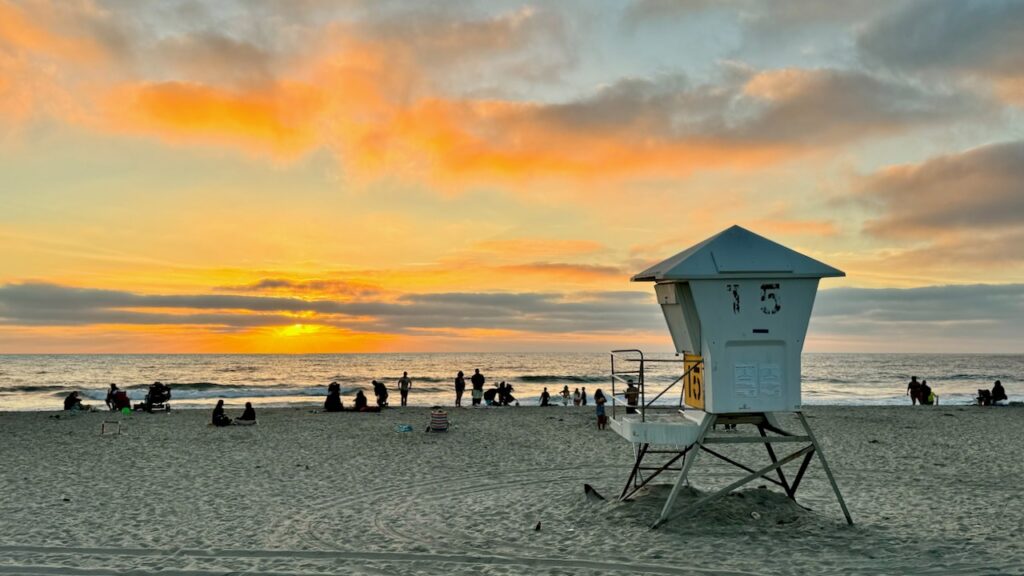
column 933, row 491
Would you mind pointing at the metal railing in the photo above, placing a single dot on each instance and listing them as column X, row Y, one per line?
column 634, row 357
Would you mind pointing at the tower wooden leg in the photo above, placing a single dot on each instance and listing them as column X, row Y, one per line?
column 824, row 464
column 688, row 461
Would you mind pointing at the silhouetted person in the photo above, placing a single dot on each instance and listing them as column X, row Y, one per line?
column 73, row 402
column 158, row 394
column 505, row 395
column 249, row 414
column 333, row 401
column 998, row 392
column 632, row 398
column 565, row 396
column 599, row 401
column 914, row 390
column 360, row 402
column 404, row 384
column 478, row 386
column 219, row 417
column 490, row 397
column 381, row 392
column 576, row 397
column 110, row 397
column 583, row 397
column 545, row 398
column 926, row 398
column 460, row 387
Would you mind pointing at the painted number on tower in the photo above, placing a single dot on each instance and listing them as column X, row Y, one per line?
column 770, row 299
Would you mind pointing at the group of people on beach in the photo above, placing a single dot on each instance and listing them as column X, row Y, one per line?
column 921, row 393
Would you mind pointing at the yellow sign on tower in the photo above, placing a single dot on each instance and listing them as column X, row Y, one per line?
column 693, row 384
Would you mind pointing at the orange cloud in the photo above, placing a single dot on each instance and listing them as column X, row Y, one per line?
column 278, row 120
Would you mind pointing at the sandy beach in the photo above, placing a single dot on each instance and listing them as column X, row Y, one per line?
column 932, row 491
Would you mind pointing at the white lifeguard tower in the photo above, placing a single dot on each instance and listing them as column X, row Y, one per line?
column 737, row 306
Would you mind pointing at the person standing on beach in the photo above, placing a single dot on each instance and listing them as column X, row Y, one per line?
column 565, row 396
column 583, row 397
column 576, row 397
column 914, row 390
column 478, row 386
column 404, row 384
column 110, row 397
column 460, row 387
column 632, row 398
column 599, row 400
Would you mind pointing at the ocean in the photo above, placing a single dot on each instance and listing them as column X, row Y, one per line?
column 39, row 382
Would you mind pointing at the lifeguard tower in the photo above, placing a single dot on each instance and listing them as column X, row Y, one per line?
column 737, row 306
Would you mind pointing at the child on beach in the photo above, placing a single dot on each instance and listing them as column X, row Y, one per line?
column 599, row 401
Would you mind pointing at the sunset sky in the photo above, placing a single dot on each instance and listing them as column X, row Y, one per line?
column 349, row 176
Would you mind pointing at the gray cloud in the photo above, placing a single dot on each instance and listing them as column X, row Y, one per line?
column 809, row 108
column 984, row 37
column 981, row 189
column 37, row 304
column 976, row 318
column 337, row 287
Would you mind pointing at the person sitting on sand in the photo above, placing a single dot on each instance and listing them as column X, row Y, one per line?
column 998, row 393
column 599, row 402
column 73, row 402
column 248, row 417
column 333, row 401
column 565, row 396
column 381, row 392
column 219, row 417
column 120, row 401
column 632, row 397
column 360, row 403
column 576, row 397
column 914, row 390
column 545, row 398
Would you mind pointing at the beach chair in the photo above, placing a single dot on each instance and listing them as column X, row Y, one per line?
column 438, row 421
